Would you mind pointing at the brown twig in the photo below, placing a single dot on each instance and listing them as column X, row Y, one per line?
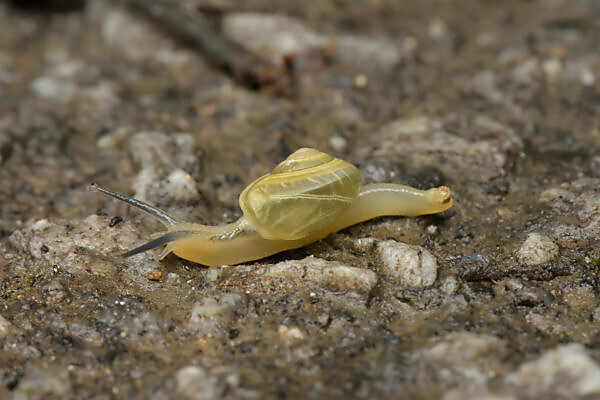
column 494, row 272
column 198, row 33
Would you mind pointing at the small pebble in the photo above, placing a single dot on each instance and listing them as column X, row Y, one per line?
column 114, row 138
column 212, row 274
column 449, row 284
column 586, row 76
column 338, row 143
column 53, row 379
column 537, row 249
column 195, row 383
column 54, row 292
column 595, row 317
column 326, row 274
column 552, row 68
column 514, row 284
column 360, row 81
column 437, row 29
column 52, row 88
column 173, row 279
column 364, row 244
column 6, row 327
column 527, row 72
column 292, row 336
column 114, row 221
column 41, row 224
column 486, row 85
column 212, row 315
column 154, row 275
column 181, row 187
column 411, row 266
column 567, row 372
column 431, row 229
column 275, row 36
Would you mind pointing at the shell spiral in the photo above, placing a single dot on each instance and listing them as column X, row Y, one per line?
column 303, row 194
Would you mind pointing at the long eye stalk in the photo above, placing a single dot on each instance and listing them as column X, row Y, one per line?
column 159, row 241
column 150, row 210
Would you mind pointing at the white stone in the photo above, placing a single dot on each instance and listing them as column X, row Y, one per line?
column 326, row 274
column 481, row 155
column 485, row 84
column 275, row 36
column 586, row 76
column 552, row 68
column 114, row 138
column 292, row 336
column 150, row 148
column 527, row 72
column 213, row 274
column 411, row 266
column 567, row 371
column 211, row 315
column 52, row 88
column 40, row 225
column 449, row 284
column 338, row 143
column 463, row 359
column 6, row 328
column 537, row 249
column 54, row 380
column 195, row 383
column 181, row 187
column 272, row 36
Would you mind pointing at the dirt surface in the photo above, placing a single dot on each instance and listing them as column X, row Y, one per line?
column 496, row 298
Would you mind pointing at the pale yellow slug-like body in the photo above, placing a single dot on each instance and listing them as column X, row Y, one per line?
column 305, row 198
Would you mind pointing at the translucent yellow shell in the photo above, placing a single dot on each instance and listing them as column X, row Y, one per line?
column 303, row 194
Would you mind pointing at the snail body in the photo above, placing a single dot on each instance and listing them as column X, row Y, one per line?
column 305, row 198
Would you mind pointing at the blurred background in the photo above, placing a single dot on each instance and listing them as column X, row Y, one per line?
column 183, row 103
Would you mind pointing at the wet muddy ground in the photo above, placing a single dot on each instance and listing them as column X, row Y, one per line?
column 496, row 298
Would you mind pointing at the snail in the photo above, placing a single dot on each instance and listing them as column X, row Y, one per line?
column 305, row 198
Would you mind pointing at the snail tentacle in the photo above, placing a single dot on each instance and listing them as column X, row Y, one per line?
column 160, row 241
column 157, row 213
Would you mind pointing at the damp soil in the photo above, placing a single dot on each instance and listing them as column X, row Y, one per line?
column 499, row 102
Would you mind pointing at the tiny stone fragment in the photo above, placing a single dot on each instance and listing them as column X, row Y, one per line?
column 213, row 315
column 412, row 266
column 154, row 275
column 537, row 249
column 338, row 143
column 6, row 328
column 449, row 285
column 485, row 84
column 114, row 221
column 54, row 292
column 212, row 274
column 292, row 336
